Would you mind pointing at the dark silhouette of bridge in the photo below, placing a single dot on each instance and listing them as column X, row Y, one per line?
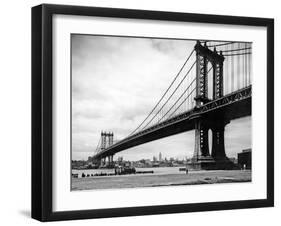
column 212, row 88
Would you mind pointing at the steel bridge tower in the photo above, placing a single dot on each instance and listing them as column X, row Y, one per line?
column 106, row 141
column 202, row 159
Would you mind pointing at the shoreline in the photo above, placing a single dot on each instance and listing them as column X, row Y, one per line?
column 159, row 180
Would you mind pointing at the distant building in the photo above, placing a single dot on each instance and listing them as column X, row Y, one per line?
column 148, row 163
column 154, row 159
column 245, row 159
column 160, row 157
column 155, row 164
column 234, row 160
column 78, row 164
column 90, row 159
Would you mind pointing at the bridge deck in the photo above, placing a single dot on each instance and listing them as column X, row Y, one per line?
column 232, row 106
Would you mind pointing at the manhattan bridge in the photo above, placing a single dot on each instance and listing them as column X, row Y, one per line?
column 212, row 88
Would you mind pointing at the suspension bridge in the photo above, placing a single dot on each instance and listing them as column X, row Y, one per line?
column 212, row 87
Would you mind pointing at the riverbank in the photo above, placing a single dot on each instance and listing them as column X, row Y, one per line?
column 154, row 180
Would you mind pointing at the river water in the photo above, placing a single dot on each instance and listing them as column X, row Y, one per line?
column 156, row 170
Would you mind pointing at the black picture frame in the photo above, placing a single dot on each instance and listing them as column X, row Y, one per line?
column 42, row 111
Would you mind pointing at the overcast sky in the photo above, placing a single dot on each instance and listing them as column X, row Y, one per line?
column 116, row 81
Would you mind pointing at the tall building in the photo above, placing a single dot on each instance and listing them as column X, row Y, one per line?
column 160, row 157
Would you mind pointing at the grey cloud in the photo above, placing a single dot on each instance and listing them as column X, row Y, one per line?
column 115, row 84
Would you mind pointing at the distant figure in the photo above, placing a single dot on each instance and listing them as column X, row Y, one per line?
column 83, row 175
column 244, row 167
column 186, row 171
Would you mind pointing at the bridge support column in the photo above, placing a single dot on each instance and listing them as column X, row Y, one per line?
column 218, row 147
column 218, row 78
column 202, row 160
column 107, row 160
column 201, row 157
column 102, row 162
column 201, row 75
column 201, row 139
column 111, row 160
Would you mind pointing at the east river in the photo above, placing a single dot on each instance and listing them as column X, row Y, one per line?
column 162, row 176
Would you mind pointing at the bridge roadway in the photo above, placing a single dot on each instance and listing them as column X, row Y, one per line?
column 231, row 106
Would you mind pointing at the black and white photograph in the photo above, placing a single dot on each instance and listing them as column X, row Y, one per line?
column 143, row 112
column 152, row 111
column 120, row 112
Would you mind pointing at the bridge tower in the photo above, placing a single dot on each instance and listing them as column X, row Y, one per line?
column 103, row 140
column 202, row 159
column 106, row 141
column 109, row 143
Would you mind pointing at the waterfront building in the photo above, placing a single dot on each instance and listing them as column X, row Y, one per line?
column 245, row 159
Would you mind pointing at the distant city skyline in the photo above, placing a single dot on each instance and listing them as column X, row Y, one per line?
column 102, row 101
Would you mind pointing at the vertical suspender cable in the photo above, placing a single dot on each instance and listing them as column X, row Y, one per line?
column 232, row 73
column 245, row 78
column 238, row 69
column 246, row 56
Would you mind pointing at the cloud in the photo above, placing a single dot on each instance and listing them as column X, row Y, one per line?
column 116, row 81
